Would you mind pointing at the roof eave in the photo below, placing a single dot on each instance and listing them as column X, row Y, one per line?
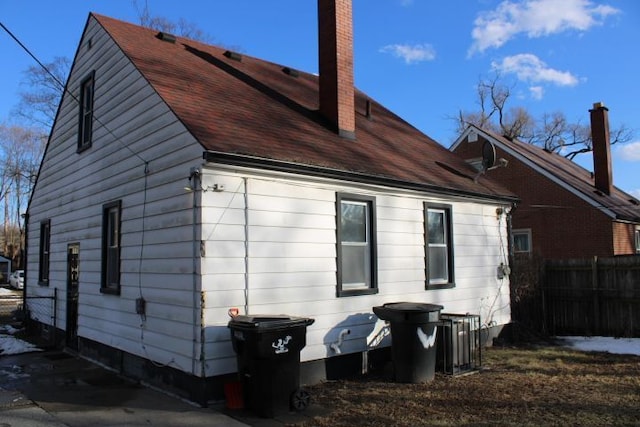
column 244, row 160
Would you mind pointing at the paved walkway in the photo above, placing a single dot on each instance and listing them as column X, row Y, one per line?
column 57, row 389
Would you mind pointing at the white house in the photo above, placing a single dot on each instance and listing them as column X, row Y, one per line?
column 182, row 180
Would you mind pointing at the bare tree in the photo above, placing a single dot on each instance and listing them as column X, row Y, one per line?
column 552, row 131
column 180, row 28
column 39, row 102
column 21, row 150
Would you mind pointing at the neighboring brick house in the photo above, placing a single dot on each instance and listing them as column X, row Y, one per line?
column 565, row 211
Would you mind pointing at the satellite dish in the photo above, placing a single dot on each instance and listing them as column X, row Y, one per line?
column 488, row 155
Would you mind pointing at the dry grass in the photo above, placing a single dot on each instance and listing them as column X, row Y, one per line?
column 516, row 386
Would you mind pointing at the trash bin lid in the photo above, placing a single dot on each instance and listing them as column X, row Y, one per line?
column 414, row 312
column 258, row 322
column 417, row 307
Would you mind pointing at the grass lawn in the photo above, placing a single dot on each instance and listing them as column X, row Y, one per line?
column 536, row 385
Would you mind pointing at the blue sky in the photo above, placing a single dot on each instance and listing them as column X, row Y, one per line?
column 420, row 58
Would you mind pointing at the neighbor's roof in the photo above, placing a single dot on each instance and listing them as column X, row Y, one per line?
column 624, row 206
column 253, row 108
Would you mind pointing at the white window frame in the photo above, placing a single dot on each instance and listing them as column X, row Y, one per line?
column 522, row 232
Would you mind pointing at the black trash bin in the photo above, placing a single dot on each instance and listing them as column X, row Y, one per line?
column 413, row 339
column 268, row 353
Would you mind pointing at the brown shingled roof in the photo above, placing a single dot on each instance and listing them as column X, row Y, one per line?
column 252, row 108
column 623, row 205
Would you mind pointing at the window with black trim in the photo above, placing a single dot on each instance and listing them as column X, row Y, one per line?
column 111, row 248
column 45, row 247
column 356, row 248
column 638, row 240
column 439, row 246
column 85, row 121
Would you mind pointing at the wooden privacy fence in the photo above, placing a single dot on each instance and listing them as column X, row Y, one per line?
column 599, row 296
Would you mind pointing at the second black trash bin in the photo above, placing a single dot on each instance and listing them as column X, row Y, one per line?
column 268, row 354
column 413, row 339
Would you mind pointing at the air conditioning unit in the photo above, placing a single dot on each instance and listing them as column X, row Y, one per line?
column 458, row 348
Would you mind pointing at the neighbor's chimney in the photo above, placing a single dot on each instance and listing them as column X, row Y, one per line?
column 335, row 49
column 601, row 147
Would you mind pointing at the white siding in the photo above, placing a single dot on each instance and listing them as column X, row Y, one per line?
column 290, row 264
column 157, row 230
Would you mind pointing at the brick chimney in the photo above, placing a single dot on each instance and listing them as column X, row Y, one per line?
column 335, row 49
column 601, row 147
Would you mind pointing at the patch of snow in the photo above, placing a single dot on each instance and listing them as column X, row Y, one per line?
column 605, row 344
column 8, row 329
column 13, row 345
column 5, row 291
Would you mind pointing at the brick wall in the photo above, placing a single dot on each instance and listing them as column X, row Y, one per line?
column 562, row 225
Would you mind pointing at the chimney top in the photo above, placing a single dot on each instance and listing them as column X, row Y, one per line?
column 335, row 52
column 599, row 105
column 601, row 145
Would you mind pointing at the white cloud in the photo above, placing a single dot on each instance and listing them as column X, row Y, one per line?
column 536, row 92
column 529, row 68
column 411, row 54
column 535, row 18
column 630, row 152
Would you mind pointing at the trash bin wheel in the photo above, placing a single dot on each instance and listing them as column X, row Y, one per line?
column 300, row 400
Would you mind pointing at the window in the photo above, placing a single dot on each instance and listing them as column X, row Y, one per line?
column 111, row 248
column 356, row 245
column 45, row 247
column 439, row 246
column 85, row 122
column 638, row 240
column 522, row 241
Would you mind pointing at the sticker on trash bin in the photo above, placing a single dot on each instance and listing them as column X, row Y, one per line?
column 426, row 340
column 281, row 344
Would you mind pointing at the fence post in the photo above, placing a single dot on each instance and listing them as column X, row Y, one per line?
column 595, row 295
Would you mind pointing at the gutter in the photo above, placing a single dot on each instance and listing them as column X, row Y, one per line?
column 324, row 172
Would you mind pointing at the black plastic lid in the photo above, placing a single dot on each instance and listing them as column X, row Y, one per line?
column 268, row 321
column 416, row 307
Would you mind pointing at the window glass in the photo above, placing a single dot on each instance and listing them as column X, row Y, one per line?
column 521, row 241
column 85, row 126
column 638, row 241
column 111, row 248
column 439, row 247
column 45, row 244
column 436, row 227
column 356, row 246
column 354, row 222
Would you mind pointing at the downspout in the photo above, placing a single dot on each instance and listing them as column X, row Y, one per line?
column 246, row 245
column 194, row 179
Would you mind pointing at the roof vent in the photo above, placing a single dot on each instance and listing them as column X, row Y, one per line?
column 166, row 37
column 634, row 202
column 233, row 55
column 367, row 108
column 290, row 72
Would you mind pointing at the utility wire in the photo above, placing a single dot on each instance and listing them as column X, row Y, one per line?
column 68, row 92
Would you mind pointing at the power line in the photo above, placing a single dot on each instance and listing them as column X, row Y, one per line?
column 68, row 92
